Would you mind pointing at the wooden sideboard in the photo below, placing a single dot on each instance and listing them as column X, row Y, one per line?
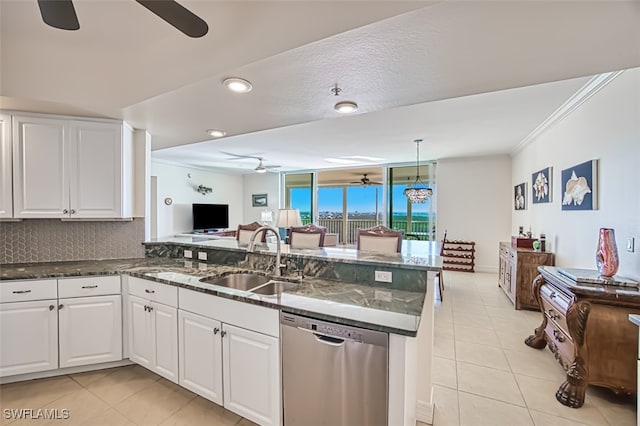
column 517, row 269
column 586, row 326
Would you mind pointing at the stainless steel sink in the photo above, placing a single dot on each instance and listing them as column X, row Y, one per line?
column 274, row 287
column 240, row 281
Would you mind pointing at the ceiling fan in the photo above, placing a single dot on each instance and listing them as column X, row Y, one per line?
column 365, row 181
column 61, row 14
column 260, row 168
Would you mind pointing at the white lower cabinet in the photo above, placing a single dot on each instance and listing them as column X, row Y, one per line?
column 251, row 375
column 153, row 336
column 29, row 332
column 233, row 366
column 200, row 354
column 90, row 330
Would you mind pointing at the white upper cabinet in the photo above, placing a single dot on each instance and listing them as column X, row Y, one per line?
column 6, row 168
column 40, row 177
column 77, row 169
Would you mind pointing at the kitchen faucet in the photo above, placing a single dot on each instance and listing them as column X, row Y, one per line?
column 278, row 271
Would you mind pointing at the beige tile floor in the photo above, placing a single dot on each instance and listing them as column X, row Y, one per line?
column 123, row 396
column 484, row 375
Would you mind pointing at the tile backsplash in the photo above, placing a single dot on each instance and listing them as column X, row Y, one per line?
column 51, row 240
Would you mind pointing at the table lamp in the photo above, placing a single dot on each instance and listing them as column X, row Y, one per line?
column 288, row 218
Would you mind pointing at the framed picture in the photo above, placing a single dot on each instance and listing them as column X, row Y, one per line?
column 579, row 186
column 520, row 196
column 259, row 200
column 541, row 186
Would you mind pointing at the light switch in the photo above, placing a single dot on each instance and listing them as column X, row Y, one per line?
column 202, row 255
column 631, row 244
column 188, row 254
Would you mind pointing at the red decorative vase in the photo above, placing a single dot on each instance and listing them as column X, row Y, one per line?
column 607, row 253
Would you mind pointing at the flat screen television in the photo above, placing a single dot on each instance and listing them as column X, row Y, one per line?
column 210, row 216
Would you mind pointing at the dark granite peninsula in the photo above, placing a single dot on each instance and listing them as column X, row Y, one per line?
column 334, row 284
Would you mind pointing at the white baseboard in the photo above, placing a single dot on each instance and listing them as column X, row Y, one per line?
column 424, row 412
column 63, row 371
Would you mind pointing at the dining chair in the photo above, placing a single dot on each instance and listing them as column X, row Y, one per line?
column 244, row 232
column 307, row 237
column 379, row 239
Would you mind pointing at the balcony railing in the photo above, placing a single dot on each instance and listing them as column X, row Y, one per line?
column 419, row 230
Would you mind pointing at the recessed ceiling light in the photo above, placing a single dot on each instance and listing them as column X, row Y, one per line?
column 215, row 133
column 346, row 107
column 238, row 85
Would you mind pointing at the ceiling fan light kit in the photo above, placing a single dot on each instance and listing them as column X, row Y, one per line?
column 237, row 85
column 216, row 133
column 419, row 192
column 346, row 107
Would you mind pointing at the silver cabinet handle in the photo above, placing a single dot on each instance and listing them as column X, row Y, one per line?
column 21, row 291
column 73, row 211
column 90, row 286
column 216, row 330
column 60, row 306
column 149, row 291
column 65, row 211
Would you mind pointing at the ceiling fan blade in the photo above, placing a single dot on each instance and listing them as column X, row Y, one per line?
column 59, row 14
column 272, row 167
column 177, row 15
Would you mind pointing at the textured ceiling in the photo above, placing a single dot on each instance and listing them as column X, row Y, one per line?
column 441, row 71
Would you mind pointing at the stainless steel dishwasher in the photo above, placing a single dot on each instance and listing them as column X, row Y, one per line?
column 333, row 374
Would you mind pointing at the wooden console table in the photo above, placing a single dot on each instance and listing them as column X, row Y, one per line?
column 587, row 328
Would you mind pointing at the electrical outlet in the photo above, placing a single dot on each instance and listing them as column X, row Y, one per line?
column 383, row 276
column 188, row 254
column 202, row 255
column 631, row 244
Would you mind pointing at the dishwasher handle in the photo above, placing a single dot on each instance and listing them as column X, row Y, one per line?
column 328, row 340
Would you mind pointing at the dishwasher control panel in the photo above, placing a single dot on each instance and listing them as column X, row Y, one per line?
column 330, row 329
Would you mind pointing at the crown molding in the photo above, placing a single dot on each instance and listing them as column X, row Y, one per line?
column 593, row 86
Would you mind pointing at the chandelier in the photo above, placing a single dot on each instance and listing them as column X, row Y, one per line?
column 419, row 191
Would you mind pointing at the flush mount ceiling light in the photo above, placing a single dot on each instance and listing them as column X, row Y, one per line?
column 238, row 85
column 215, row 133
column 346, row 107
column 418, row 192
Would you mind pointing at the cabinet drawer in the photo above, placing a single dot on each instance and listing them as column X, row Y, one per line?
column 154, row 291
column 89, row 286
column 245, row 315
column 558, row 300
column 560, row 344
column 26, row 290
column 555, row 315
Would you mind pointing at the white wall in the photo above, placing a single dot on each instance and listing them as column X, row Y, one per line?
column 173, row 182
column 474, row 202
column 260, row 183
column 605, row 127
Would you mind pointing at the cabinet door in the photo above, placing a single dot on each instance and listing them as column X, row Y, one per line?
column 40, row 179
column 141, row 344
column 251, row 369
column 90, row 330
column 95, row 170
column 6, row 168
column 200, row 355
column 165, row 339
column 29, row 333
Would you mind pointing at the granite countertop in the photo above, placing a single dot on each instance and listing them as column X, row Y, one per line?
column 599, row 290
column 415, row 254
column 635, row 319
column 359, row 305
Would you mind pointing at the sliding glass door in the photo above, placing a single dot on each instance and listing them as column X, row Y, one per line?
column 417, row 220
column 299, row 194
